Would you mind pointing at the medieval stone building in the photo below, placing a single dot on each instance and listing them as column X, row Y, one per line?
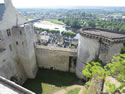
column 97, row 43
column 17, row 54
column 20, row 57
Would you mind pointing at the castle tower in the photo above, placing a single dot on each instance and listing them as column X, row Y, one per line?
column 24, row 40
column 97, row 43
column 17, row 51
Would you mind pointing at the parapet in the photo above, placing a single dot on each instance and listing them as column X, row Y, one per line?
column 104, row 35
column 9, row 87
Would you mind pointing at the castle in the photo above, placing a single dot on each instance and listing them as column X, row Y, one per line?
column 17, row 52
column 97, row 44
column 20, row 57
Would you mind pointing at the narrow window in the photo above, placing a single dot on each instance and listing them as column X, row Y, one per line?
column 20, row 32
column 8, row 32
column 10, row 47
column 22, row 43
column 16, row 43
column 0, row 36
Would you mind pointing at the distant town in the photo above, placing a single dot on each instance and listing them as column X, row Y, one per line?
column 55, row 26
column 55, row 37
column 110, row 18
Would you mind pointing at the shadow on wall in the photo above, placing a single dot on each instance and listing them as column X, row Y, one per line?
column 51, row 77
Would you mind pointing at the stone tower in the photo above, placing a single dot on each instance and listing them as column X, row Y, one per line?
column 24, row 43
column 17, row 53
column 90, row 47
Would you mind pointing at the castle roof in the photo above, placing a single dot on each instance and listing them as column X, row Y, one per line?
column 102, row 33
column 2, row 9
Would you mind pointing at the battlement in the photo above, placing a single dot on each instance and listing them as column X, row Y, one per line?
column 104, row 35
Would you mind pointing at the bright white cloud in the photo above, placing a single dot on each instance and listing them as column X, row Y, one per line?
column 50, row 3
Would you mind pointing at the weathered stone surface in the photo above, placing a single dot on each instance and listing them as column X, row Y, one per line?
column 102, row 47
column 18, row 59
column 56, row 58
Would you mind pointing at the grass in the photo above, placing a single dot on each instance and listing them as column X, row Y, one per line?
column 74, row 91
column 55, row 21
column 49, row 81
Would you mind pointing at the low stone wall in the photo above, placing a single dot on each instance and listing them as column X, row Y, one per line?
column 55, row 58
column 9, row 87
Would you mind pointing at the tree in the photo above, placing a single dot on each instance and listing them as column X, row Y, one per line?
column 68, row 34
column 92, row 23
column 75, row 23
column 116, row 69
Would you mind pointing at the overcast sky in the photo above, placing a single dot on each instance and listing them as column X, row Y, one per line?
column 57, row 3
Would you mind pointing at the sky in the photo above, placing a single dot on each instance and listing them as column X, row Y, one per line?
column 58, row 3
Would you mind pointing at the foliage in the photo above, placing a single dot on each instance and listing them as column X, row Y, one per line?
column 115, row 68
column 73, row 46
column 111, row 85
column 123, row 49
column 94, row 68
column 73, row 22
column 47, row 30
column 68, row 34
column 91, row 21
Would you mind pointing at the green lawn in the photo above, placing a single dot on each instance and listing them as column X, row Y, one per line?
column 55, row 21
column 49, row 81
column 74, row 91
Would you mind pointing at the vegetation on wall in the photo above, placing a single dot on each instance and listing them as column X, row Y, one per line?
column 115, row 69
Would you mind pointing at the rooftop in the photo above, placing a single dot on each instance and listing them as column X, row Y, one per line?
column 2, row 9
column 103, row 33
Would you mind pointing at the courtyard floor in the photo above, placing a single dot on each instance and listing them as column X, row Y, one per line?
column 50, row 81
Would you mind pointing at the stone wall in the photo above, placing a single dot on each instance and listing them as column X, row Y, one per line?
column 11, row 17
column 17, row 52
column 24, row 45
column 87, row 50
column 113, row 49
column 90, row 48
column 10, row 67
column 55, row 58
column 9, row 61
